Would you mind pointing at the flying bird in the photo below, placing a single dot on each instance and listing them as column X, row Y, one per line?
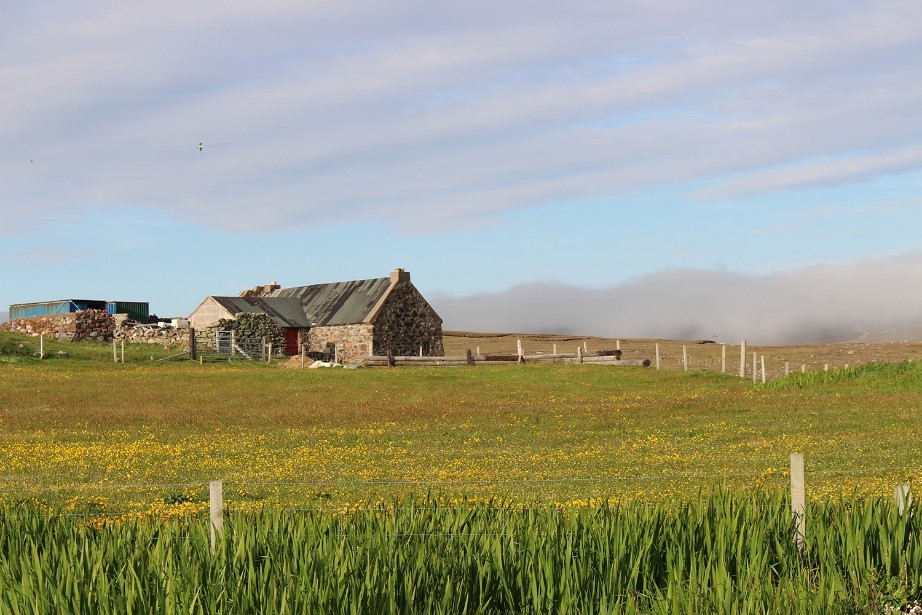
column 201, row 146
column 31, row 161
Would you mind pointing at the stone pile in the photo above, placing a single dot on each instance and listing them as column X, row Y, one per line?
column 81, row 325
column 255, row 326
column 167, row 336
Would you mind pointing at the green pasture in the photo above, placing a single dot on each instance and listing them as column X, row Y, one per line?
column 83, row 431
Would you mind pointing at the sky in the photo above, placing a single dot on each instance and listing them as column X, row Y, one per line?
column 624, row 168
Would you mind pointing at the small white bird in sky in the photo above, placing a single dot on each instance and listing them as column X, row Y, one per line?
column 201, row 146
column 31, row 161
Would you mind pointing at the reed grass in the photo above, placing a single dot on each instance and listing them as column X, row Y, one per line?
column 724, row 553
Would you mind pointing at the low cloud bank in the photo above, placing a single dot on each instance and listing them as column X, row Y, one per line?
column 871, row 299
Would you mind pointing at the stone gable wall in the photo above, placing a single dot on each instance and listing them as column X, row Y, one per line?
column 406, row 322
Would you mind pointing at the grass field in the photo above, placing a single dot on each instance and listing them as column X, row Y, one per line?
column 535, row 488
column 147, row 436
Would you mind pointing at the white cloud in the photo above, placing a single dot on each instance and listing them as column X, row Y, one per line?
column 321, row 113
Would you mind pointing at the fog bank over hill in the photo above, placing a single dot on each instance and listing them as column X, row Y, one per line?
column 874, row 300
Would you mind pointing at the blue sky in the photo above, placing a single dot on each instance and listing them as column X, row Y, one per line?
column 592, row 146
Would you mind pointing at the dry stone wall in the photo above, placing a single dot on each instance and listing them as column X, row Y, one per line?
column 95, row 325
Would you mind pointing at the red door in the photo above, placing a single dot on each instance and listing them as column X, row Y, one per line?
column 291, row 342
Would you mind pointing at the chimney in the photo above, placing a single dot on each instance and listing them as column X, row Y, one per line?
column 399, row 275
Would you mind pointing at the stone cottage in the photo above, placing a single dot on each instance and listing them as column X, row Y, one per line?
column 351, row 319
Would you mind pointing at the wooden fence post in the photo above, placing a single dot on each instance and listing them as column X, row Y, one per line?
column 684, row 358
column 787, row 368
column 216, row 509
column 617, row 344
column 41, row 346
column 469, row 357
column 743, row 359
column 798, row 500
column 303, row 348
column 123, row 351
column 579, row 355
column 555, row 349
column 723, row 358
column 803, row 368
column 518, row 346
column 657, row 356
column 755, row 368
column 763, row 369
column 114, row 351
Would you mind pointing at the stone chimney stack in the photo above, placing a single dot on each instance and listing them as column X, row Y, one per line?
column 399, row 275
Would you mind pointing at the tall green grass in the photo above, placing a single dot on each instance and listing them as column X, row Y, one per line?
column 894, row 376
column 720, row 554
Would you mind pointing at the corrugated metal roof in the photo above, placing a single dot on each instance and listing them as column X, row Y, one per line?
column 338, row 303
column 284, row 311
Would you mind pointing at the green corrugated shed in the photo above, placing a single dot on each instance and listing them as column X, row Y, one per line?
column 136, row 310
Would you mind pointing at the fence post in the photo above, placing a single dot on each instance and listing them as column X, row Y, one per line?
column 803, row 368
column 723, row 358
column 743, row 359
column 903, row 498
column 41, row 346
column 755, row 368
column 763, row 369
column 123, row 351
column 617, row 344
column 586, row 346
column 469, row 358
column 192, row 344
column 798, row 501
column 216, row 509
column 787, row 368
column 518, row 346
column 579, row 354
column 302, row 356
column 555, row 349
column 684, row 358
column 657, row 356
column 114, row 351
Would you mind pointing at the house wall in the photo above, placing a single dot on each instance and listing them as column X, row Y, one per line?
column 207, row 314
column 405, row 322
column 353, row 342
